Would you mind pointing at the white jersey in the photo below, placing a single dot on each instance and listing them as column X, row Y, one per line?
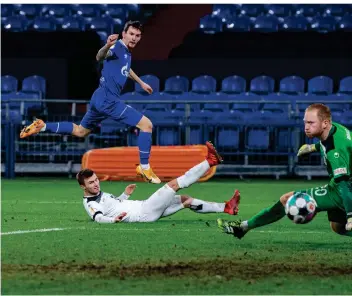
column 104, row 207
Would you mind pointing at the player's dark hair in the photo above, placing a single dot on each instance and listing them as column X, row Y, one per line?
column 133, row 24
column 84, row 174
column 323, row 113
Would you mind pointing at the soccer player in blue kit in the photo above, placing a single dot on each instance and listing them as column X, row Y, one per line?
column 106, row 103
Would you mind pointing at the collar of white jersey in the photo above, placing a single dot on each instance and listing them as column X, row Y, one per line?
column 89, row 198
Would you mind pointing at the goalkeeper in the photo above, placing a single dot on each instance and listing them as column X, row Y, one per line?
column 335, row 146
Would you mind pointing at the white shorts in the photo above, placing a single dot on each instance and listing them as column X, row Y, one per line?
column 154, row 206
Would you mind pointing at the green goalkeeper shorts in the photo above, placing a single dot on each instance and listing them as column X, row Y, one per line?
column 329, row 200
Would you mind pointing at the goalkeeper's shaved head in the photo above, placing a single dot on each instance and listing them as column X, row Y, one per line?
column 323, row 111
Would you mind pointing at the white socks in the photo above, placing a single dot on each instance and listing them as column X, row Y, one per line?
column 201, row 206
column 244, row 225
column 145, row 166
column 193, row 174
column 43, row 128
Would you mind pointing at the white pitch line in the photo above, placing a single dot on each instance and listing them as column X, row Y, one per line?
column 33, row 230
column 149, row 230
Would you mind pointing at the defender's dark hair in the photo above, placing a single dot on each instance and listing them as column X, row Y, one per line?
column 84, row 174
column 134, row 24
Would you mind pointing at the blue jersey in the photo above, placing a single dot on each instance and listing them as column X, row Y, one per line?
column 116, row 69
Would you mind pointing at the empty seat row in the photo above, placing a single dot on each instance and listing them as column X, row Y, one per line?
column 272, row 23
column 293, row 85
column 122, row 11
column 31, row 84
column 281, row 10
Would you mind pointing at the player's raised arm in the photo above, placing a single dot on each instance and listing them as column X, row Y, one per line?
column 105, row 51
column 143, row 85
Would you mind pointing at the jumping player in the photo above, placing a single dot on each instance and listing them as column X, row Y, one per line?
column 106, row 103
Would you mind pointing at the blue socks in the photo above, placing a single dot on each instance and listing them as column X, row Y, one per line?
column 63, row 127
column 144, row 144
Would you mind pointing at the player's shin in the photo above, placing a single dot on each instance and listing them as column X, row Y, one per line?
column 63, row 127
column 193, row 174
column 265, row 217
column 201, row 206
column 144, row 145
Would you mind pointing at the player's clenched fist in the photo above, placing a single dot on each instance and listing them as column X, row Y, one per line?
column 305, row 149
column 112, row 39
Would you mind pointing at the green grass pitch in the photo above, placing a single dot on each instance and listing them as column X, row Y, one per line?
column 181, row 254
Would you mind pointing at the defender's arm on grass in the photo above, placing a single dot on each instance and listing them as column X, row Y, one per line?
column 105, row 51
column 143, row 85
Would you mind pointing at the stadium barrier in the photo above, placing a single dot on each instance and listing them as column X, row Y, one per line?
column 252, row 143
column 168, row 162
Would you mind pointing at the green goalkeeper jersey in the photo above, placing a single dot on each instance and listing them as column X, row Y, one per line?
column 337, row 151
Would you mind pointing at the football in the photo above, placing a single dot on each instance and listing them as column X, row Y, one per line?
column 300, row 208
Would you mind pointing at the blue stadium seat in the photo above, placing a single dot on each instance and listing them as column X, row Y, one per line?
column 257, row 138
column 16, row 23
column 87, row 11
column 134, row 10
column 321, row 85
column 204, row 84
column 34, row 84
column 337, row 10
column 233, row 85
column 152, row 80
column 73, row 23
column 276, row 108
column 27, row 105
column 102, row 24
column 266, row 24
column 58, row 11
column 252, row 10
column 6, row 10
column 8, row 84
column 13, row 116
column 228, row 138
column 294, row 24
column 44, row 24
column 280, row 10
column 241, row 23
column 210, row 25
column 292, row 85
column 168, row 136
column 224, row 11
column 346, row 119
column 323, row 24
column 346, row 85
column 250, row 107
column 176, row 85
column 309, row 10
column 262, row 85
column 345, row 24
column 284, row 138
column 119, row 11
column 30, row 11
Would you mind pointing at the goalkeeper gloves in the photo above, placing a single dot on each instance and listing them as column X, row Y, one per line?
column 306, row 148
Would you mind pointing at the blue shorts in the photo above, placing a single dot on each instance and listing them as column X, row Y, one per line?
column 103, row 106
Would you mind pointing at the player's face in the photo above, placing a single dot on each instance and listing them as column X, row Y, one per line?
column 92, row 185
column 313, row 126
column 131, row 37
